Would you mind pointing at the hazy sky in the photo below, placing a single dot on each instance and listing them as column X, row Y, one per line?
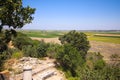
column 75, row 14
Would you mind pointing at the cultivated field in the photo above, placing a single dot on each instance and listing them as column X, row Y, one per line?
column 109, row 37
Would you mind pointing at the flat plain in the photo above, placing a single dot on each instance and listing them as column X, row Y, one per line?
column 107, row 43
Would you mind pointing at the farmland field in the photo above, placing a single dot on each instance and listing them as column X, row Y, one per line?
column 43, row 34
column 109, row 37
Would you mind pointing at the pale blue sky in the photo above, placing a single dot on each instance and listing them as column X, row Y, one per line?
column 75, row 14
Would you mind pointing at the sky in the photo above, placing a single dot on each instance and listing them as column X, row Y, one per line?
column 74, row 14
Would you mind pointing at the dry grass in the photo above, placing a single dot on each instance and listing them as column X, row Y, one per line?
column 106, row 49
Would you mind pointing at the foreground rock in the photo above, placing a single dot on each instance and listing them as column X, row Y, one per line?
column 41, row 69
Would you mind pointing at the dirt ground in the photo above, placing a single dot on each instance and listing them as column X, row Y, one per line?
column 106, row 49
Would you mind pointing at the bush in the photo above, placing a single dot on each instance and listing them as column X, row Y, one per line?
column 52, row 50
column 95, row 60
column 99, row 64
column 35, row 42
column 3, row 57
column 21, row 40
column 3, row 46
column 42, row 49
column 69, row 58
column 107, row 72
column 17, row 55
column 30, row 51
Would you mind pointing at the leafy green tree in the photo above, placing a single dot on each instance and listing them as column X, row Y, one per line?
column 78, row 40
column 14, row 15
column 69, row 58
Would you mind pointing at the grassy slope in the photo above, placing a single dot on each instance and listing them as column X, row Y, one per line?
column 91, row 35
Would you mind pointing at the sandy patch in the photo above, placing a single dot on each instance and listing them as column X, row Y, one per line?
column 48, row 40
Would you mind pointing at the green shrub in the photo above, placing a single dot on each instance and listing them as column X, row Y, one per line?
column 95, row 60
column 35, row 42
column 108, row 72
column 52, row 50
column 21, row 40
column 69, row 58
column 99, row 64
column 3, row 46
column 30, row 51
column 42, row 49
column 3, row 57
column 17, row 55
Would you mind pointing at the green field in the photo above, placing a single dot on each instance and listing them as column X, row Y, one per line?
column 91, row 35
column 110, row 39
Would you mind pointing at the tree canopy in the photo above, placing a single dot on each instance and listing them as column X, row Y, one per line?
column 76, row 39
column 13, row 15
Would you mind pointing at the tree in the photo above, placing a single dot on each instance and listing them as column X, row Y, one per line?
column 69, row 58
column 13, row 15
column 78, row 40
column 42, row 49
